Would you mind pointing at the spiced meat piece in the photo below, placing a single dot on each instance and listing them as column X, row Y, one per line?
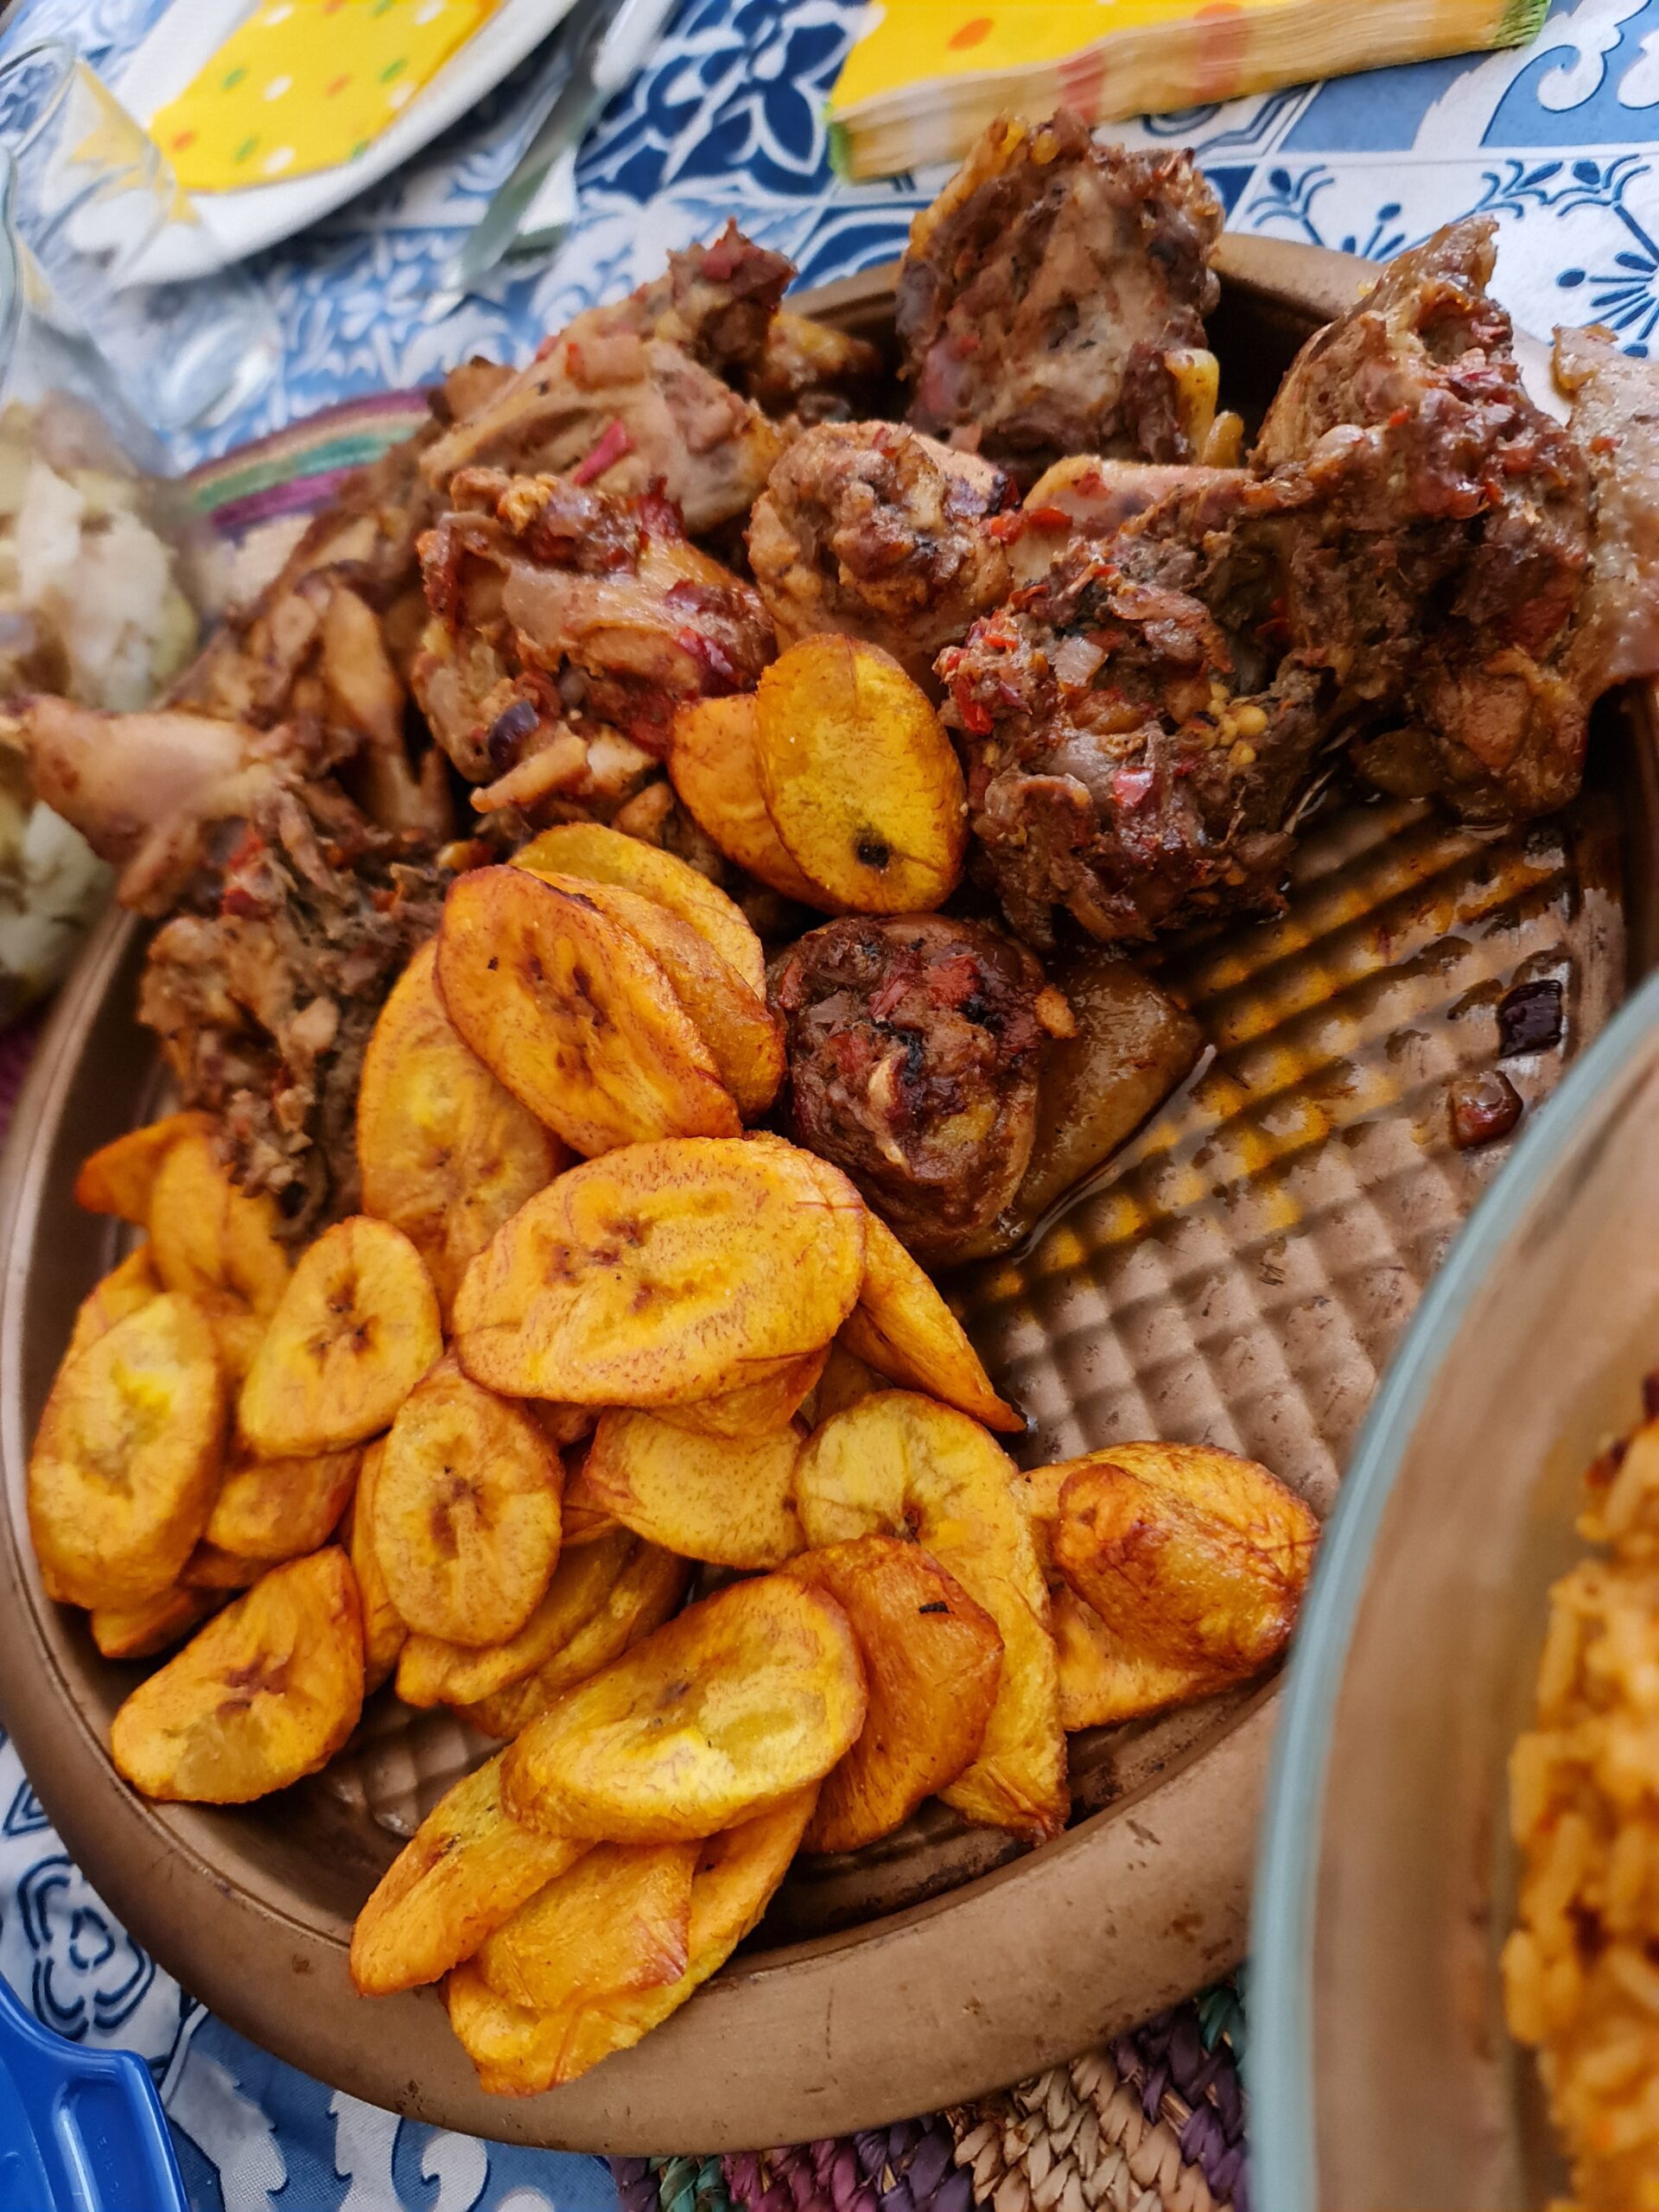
column 877, row 532
column 1143, row 727
column 637, row 396
column 1051, row 300
column 568, row 625
column 809, row 373
column 265, row 988
column 913, row 1045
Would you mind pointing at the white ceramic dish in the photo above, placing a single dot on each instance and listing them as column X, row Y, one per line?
column 232, row 224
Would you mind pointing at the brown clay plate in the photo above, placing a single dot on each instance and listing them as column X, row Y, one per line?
column 1239, row 1276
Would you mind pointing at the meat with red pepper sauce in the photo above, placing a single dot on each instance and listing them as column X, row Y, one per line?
column 873, row 532
column 567, row 626
column 1399, row 569
column 914, row 1043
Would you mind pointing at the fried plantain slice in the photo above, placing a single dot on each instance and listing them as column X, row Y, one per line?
column 859, row 777
column 932, row 1658
column 647, row 1593
column 210, row 1568
column 573, row 1013
column 466, row 1869
column 563, row 1426
column 845, row 1379
column 153, row 1624
column 738, row 1702
column 714, row 768
column 266, row 1693
column 602, row 855
column 761, row 1407
column 467, row 1510
column 663, row 1272
column 446, row 1153
column 901, row 1465
column 620, row 1921
column 716, row 1498
column 127, row 1458
column 278, row 1509
column 432, row 1671
column 119, row 1177
column 122, row 1290
column 1102, row 1682
column 902, row 1328
column 733, row 1021
column 357, row 1329
column 217, row 1245
column 1192, row 1556
column 385, row 1632
column 519, row 2053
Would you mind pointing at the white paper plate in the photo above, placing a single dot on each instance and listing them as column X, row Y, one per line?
column 232, row 224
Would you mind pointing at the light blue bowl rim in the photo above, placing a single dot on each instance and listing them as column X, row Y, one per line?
column 1283, row 2151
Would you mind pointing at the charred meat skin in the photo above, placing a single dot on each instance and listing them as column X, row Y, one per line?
column 874, row 531
column 568, row 625
column 1051, row 300
column 1401, row 566
column 915, row 1045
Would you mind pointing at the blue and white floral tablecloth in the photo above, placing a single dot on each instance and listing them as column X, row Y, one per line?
column 1560, row 141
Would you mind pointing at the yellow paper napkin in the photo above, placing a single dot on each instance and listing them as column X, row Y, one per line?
column 928, row 75
column 305, row 84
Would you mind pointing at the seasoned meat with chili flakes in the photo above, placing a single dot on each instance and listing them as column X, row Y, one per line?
column 877, row 532
column 1051, row 300
column 641, row 397
column 913, row 1045
column 568, row 624
column 1400, row 567
column 292, row 915
column 265, row 988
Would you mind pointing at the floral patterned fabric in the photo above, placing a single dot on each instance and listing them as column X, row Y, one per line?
column 1560, row 141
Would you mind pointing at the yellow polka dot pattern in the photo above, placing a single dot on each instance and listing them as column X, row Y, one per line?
column 305, row 84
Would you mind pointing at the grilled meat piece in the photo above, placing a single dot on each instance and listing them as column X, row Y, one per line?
column 1401, row 566
column 329, row 640
column 265, row 988
column 1615, row 425
column 1086, row 498
column 634, row 399
column 877, row 532
column 292, row 915
column 568, row 624
column 809, row 374
column 914, row 1045
column 1051, row 300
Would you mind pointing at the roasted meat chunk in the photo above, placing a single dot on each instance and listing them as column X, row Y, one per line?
column 1400, row 567
column 568, row 624
column 809, row 374
column 292, row 915
column 1616, row 424
column 877, row 532
column 636, row 398
column 914, row 1044
column 264, row 987
column 1052, row 300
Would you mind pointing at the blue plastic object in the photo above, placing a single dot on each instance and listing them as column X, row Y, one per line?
column 80, row 2131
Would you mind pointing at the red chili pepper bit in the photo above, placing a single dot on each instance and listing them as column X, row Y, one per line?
column 614, row 444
